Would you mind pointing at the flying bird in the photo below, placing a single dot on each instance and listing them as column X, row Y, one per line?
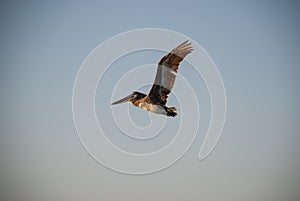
column 164, row 81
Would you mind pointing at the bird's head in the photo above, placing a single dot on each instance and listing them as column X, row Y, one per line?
column 134, row 96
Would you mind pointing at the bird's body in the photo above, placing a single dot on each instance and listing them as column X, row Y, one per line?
column 158, row 109
column 164, row 81
column 146, row 104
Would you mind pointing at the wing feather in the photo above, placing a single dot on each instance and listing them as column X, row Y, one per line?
column 166, row 73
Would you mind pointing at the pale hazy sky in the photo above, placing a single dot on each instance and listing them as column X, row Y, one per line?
column 255, row 45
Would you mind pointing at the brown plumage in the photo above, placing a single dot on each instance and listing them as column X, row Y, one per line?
column 166, row 73
column 164, row 81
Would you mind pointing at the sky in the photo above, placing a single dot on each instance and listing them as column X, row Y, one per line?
column 255, row 46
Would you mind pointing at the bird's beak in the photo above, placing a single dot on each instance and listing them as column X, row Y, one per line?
column 123, row 100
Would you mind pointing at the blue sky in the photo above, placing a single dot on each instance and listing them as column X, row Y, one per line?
column 255, row 45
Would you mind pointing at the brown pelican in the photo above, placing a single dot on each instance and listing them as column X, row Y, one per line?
column 165, row 77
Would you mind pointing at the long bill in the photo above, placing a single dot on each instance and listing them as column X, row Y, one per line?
column 123, row 100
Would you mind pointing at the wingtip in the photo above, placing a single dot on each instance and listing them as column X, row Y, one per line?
column 186, row 44
column 185, row 47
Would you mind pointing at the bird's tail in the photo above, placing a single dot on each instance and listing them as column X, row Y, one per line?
column 171, row 111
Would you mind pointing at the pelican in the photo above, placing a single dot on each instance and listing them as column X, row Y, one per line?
column 164, row 81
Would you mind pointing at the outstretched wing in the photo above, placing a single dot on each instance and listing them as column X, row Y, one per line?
column 166, row 73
